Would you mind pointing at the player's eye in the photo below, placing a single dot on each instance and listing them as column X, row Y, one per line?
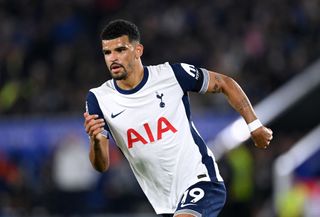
column 121, row 49
column 106, row 52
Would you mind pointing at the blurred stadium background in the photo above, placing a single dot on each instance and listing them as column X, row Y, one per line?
column 50, row 57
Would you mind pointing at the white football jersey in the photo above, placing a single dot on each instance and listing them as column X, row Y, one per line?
column 151, row 124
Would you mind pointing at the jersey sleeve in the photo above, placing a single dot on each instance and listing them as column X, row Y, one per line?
column 92, row 107
column 191, row 78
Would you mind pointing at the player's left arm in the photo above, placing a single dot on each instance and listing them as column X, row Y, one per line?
column 219, row 83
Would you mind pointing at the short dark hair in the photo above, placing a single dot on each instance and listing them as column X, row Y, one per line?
column 118, row 28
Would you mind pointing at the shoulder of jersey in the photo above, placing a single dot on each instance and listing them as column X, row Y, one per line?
column 103, row 87
column 160, row 68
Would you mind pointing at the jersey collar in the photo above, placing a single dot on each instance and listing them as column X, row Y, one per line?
column 138, row 87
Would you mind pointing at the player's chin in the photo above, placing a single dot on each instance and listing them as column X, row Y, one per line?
column 119, row 76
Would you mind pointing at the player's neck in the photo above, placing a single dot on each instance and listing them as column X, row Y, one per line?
column 134, row 78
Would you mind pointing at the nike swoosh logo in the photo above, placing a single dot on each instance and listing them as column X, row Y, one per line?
column 115, row 115
column 188, row 204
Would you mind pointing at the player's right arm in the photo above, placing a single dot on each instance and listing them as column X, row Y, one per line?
column 99, row 144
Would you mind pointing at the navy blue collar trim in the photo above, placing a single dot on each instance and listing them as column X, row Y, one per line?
column 138, row 87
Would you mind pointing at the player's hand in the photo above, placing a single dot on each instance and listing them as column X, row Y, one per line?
column 262, row 137
column 93, row 125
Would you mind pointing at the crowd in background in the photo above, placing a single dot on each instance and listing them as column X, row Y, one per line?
column 50, row 56
column 51, row 53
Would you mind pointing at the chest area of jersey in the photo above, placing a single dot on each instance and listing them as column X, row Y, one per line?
column 147, row 117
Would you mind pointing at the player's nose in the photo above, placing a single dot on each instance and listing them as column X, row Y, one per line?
column 112, row 57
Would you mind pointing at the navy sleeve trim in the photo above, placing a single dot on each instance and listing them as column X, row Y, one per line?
column 92, row 107
column 190, row 78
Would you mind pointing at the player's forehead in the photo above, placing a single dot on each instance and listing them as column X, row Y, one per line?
column 111, row 44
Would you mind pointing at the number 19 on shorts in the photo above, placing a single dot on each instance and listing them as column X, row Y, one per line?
column 195, row 195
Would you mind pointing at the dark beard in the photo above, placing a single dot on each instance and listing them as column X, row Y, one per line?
column 121, row 76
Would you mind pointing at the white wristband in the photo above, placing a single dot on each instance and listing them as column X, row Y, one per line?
column 254, row 125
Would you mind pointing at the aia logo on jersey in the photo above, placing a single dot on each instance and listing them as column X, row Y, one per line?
column 163, row 126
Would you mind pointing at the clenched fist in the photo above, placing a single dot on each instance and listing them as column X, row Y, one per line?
column 262, row 137
column 93, row 125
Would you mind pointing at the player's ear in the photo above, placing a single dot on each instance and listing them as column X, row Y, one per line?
column 139, row 50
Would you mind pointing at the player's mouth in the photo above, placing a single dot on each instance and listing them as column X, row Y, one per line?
column 115, row 68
